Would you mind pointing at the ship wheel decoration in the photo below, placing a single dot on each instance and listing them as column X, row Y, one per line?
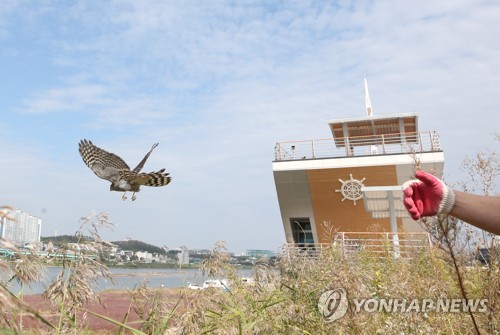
column 351, row 189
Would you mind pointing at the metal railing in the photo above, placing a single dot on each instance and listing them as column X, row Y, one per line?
column 379, row 244
column 400, row 143
column 403, row 244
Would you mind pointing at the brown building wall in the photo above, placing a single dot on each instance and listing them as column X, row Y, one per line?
column 345, row 215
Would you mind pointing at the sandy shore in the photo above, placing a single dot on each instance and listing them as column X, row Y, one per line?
column 114, row 304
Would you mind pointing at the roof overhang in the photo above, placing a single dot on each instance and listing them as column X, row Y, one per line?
column 384, row 201
column 368, row 130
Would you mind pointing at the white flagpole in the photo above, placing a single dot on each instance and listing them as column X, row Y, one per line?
column 368, row 103
column 369, row 112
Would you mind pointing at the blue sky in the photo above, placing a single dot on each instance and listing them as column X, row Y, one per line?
column 217, row 84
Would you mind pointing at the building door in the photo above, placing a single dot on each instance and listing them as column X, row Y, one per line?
column 301, row 231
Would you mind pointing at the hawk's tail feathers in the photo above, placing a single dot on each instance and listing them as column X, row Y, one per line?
column 159, row 178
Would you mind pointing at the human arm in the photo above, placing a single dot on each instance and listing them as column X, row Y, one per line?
column 429, row 196
column 478, row 210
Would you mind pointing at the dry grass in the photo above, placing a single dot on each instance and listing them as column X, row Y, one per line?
column 285, row 302
column 283, row 299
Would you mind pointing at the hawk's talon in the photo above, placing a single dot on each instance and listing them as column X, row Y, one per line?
column 124, row 197
column 134, row 197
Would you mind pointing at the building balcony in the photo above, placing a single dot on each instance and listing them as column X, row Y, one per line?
column 377, row 244
column 358, row 146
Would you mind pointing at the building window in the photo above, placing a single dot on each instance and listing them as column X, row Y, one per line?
column 301, row 230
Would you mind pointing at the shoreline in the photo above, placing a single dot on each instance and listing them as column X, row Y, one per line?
column 142, row 274
column 124, row 279
column 114, row 304
column 138, row 266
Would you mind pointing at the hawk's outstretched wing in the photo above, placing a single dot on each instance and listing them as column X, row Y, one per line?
column 105, row 165
column 139, row 166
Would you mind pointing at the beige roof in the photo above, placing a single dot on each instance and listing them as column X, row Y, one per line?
column 368, row 129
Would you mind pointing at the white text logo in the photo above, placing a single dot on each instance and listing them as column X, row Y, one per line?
column 333, row 305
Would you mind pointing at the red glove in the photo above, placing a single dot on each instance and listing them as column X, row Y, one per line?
column 427, row 196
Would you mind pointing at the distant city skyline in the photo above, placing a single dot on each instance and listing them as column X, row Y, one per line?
column 247, row 252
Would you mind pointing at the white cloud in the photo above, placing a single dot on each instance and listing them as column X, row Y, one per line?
column 66, row 99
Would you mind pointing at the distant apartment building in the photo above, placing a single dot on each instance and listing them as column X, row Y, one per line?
column 183, row 256
column 20, row 227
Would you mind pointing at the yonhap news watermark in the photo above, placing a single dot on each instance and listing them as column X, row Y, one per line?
column 334, row 304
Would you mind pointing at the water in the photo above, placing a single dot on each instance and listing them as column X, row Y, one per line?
column 126, row 279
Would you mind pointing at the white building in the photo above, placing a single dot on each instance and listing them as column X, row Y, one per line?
column 20, row 227
column 183, row 256
column 321, row 183
column 144, row 256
